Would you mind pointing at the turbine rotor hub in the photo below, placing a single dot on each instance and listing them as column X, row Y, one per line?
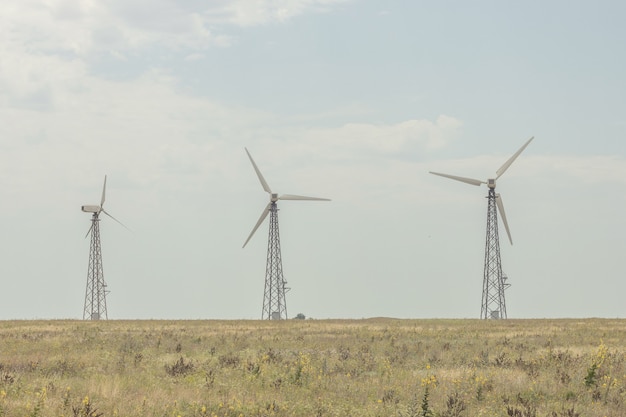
column 274, row 197
column 491, row 183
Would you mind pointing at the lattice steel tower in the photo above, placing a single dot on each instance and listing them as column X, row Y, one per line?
column 274, row 303
column 493, row 305
column 95, row 294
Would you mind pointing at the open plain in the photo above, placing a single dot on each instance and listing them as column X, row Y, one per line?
column 369, row 367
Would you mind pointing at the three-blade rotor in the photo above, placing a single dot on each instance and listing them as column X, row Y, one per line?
column 96, row 210
column 273, row 198
column 491, row 183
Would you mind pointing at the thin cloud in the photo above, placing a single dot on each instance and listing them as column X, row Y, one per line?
column 390, row 140
column 247, row 13
column 589, row 170
column 83, row 29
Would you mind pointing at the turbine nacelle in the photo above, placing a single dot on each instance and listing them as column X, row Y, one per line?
column 91, row 209
column 274, row 197
column 491, row 183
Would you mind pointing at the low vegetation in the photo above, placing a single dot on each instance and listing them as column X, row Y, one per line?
column 374, row 367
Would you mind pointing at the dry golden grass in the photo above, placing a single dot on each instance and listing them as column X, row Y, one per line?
column 374, row 367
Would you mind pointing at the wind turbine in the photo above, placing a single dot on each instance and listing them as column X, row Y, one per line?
column 274, row 304
column 95, row 294
column 493, row 303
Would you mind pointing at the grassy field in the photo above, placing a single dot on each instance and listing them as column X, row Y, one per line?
column 374, row 367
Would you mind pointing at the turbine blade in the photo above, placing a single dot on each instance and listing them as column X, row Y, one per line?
column 266, row 210
column 462, row 179
column 104, row 189
column 89, row 231
column 258, row 173
column 508, row 163
column 115, row 219
column 500, row 205
column 301, row 197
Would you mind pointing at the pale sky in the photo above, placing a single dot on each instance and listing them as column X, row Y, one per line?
column 349, row 100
